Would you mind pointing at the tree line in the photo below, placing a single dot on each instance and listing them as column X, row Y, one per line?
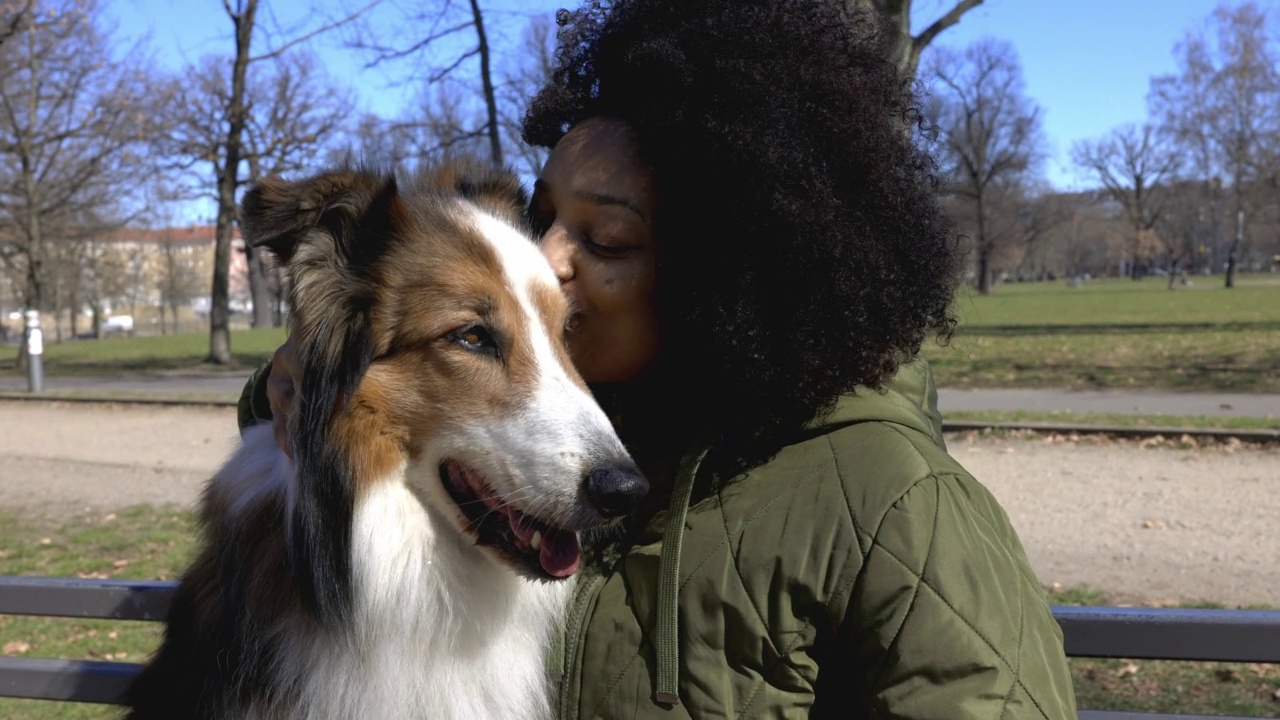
column 1193, row 188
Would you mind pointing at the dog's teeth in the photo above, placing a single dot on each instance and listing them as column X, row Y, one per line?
column 535, row 542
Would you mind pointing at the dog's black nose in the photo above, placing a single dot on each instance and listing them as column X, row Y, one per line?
column 616, row 491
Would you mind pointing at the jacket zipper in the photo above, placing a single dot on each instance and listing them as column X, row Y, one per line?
column 584, row 594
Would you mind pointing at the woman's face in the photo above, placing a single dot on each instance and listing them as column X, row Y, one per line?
column 594, row 206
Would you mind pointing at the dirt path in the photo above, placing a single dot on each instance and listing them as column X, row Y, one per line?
column 1145, row 524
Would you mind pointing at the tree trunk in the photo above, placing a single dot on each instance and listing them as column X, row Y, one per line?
column 486, row 77
column 278, row 295
column 228, row 176
column 259, row 287
column 984, row 270
column 984, row 249
column 35, row 240
column 905, row 49
column 1235, row 248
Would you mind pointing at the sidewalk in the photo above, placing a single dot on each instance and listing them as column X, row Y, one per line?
column 1110, row 401
column 949, row 400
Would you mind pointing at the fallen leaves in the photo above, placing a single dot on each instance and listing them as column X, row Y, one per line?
column 1228, row 675
column 15, row 647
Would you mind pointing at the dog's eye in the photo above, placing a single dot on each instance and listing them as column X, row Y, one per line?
column 475, row 338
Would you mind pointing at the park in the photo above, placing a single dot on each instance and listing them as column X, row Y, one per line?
column 1176, row 521
column 1113, row 378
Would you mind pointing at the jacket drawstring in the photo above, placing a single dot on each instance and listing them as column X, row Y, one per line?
column 667, row 638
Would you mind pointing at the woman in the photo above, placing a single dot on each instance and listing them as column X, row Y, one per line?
column 750, row 237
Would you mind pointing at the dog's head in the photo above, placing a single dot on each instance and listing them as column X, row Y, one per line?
column 430, row 335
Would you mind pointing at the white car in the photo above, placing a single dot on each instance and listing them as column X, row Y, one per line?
column 122, row 324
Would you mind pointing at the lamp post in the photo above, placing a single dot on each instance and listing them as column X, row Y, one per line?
column 35, row 352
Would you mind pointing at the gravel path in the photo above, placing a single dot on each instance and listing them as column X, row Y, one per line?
column 1143, row 524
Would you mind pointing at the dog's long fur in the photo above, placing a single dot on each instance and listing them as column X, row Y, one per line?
column 347, row 584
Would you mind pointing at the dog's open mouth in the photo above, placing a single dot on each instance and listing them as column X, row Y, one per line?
column 527, row 542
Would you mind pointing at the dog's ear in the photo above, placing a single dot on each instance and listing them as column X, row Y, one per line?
column 328, row 230
column 281, row 215
column 496, row 190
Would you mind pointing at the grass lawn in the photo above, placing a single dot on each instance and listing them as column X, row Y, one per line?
column 156, row 543
column 1109, row 333
column 153, row 354
column 1116, row 333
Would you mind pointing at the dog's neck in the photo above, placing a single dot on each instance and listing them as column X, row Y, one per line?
column 434, row 620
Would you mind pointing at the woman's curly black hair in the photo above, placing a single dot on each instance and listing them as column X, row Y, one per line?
column 802, row 250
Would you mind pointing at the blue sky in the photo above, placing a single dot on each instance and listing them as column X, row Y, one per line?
column 1088, row 63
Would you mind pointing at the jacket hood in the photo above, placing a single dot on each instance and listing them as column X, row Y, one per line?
column 909, row 399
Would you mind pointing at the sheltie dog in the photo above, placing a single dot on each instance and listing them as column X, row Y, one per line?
column 412, row 561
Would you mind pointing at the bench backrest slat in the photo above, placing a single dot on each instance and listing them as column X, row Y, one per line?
column 1171, row 633
column 1136, row 633
column 1116, row 715
column 86, row 598
column 75, row 680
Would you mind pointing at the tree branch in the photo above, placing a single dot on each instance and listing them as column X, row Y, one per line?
column 922, row 40
column 318, row 31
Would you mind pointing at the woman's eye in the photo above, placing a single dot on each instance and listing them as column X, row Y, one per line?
column 475, row 338
column 604, row 249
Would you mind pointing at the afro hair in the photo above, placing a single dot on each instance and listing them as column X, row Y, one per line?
column 802, row 250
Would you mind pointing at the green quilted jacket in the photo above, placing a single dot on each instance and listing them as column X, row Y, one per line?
column 861, row 573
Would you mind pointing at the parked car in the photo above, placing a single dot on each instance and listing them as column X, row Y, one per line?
column 117, row 325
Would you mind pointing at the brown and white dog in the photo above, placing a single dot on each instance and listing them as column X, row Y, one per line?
column 411, row 561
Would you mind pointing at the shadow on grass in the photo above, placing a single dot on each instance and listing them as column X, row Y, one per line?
column 1224, row 373
column 148, row 366
column 1112, row 329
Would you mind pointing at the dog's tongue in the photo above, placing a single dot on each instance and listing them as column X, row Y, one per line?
column 560, row 553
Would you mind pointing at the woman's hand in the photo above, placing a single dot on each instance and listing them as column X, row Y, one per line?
column 280, row 393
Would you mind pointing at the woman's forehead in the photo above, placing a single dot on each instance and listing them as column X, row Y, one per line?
column 599, row 155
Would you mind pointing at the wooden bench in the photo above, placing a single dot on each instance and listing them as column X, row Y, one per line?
column 1102, row 632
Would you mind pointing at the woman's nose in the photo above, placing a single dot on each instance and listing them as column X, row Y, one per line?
column 557, row 248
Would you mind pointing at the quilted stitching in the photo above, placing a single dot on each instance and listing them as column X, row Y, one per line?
column 915, row 592
column 921, row 582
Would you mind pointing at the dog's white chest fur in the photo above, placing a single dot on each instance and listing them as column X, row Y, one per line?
column 439, row 630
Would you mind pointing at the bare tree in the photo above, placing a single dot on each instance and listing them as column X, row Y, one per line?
column 214, row 114
column 1221, row 105
column 296, row 114
column 906, row 49
column 526, row 74
column 70, row 131
column 990, row 135
column 179, row 277
column 1130, row 164
column 1185, row 227
column 453, row 125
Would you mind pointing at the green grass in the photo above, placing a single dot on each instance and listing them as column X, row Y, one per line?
column 124, row 396
column 1112, row 334
column 155, row 354
column 1208, row 422
column 1166, row 686
column 1107, row 334
column 157, row 544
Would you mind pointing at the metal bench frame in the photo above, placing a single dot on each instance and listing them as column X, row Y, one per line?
column 1101, row 632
